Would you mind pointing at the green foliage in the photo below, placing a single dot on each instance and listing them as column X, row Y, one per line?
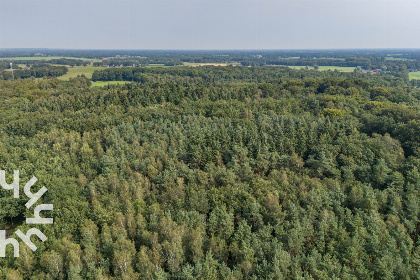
column 333, row 113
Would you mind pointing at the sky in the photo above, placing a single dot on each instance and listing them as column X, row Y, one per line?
column 209, row 24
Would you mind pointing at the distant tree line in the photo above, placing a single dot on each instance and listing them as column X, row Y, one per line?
column 51, row 71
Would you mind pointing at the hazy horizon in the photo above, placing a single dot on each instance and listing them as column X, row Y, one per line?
column 210, row 25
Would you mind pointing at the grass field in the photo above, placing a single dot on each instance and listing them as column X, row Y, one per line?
column 79, row 70
column 102, row 84
column 207, row 64
column 414, row 76
column 325, row 68
column 48, row 58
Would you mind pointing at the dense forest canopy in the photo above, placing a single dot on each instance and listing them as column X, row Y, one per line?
column 215, row 173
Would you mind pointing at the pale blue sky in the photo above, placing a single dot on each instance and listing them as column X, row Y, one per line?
column 205, row 24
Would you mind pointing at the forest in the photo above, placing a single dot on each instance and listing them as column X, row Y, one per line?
column 215, row 172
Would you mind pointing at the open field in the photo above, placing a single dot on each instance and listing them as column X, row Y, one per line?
column 156, row 65
column 209, row 64
column 102, row 83
column 414, row 75
column 79, row 70
column 48, row 58
column 325, row 68
column 338, row 68
column 330, row 58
